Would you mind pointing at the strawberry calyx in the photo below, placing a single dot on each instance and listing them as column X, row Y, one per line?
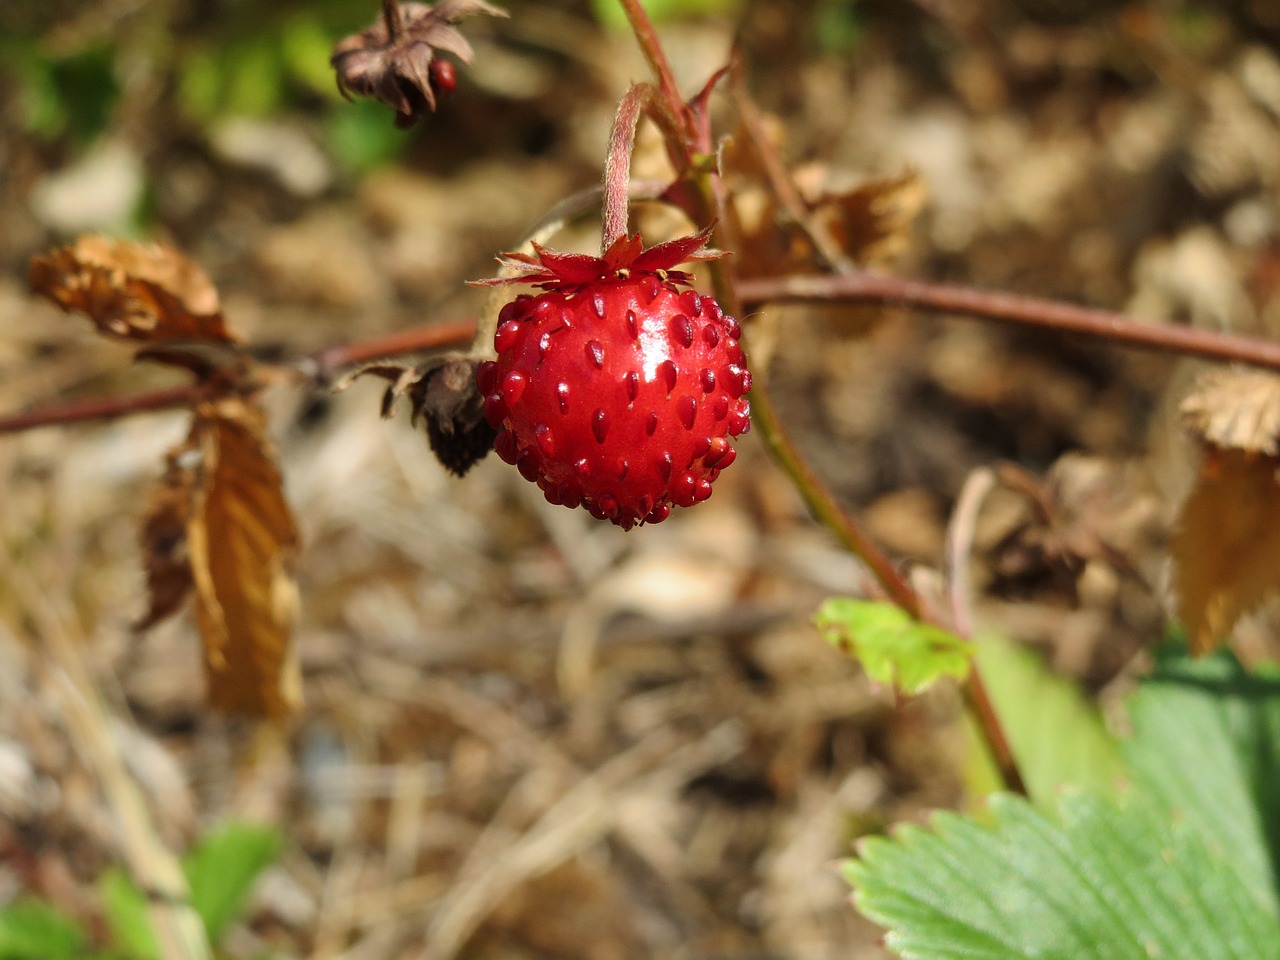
column 626, row 257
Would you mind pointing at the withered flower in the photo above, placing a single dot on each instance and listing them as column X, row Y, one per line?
column 395, row 60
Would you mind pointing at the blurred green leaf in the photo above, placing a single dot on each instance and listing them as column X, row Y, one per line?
column 1206, row 745
column 255, row 81
column 306, row 47
column 362, row 135
column 1108, row 882
column 127, row 916
column 893, row 648
column 31, row 930
column 1057, row 736
column 838, row 26
column 220, row 872
column 222, row 868
column 70, row 95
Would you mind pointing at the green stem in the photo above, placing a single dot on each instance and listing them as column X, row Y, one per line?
column 824, row 506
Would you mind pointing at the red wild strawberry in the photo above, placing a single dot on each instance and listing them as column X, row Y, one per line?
column 615, row 389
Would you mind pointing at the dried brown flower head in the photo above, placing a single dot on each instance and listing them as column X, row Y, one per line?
column 395, row 59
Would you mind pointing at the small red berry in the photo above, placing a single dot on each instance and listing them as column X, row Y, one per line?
column 443, row 76
column 615, row 389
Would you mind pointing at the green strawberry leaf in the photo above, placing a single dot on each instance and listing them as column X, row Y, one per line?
column 1107, row 882
column 894, row 649
column 31, row 930
column 125, row 907
column 1206, row 745
column 222, row 868
column 1183, row 865
column 1057, row 736
column 220, row 872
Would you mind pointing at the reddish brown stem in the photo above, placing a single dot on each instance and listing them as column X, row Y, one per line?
column 106, row 408
column 1010, row 308
column 826, row 508
column 617, row 164
column 323, row 365
column 414, row 340
column 651, row 46
column 979, row 701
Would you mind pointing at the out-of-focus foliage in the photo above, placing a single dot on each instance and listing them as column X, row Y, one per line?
column 220, row 870
column 69, row 71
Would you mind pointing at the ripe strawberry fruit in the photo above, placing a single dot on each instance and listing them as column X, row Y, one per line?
column 615, row 389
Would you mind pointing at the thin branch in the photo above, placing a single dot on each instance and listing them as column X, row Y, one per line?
column 328, row 362
column 824, row 506
column 1117, row 328
column 105, row 408
column 320, row 367
column 979, row 703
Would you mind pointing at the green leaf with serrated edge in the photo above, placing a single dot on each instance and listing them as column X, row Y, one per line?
column 1109, row 882
column 222, row 868
column 894, row 649
column 127, row 916
column 31, row 930
column 1206, row 746
column 1057, row 736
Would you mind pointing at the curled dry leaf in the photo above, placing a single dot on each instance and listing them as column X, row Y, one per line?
column 871, row 223
column 1235, row 410
column 220, row 523
column 1226, row 548
column 243, row 542
column 132, row 290
column 163, row 537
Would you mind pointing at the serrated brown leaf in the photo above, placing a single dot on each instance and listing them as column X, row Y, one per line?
column 131, row 290
column 163, row 538
column 872, row 223
column 242, row 541
column 1235, row 410
column 868, row 224
column 1226, row 548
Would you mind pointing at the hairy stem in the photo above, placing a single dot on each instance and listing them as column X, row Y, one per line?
column 617, row 164
column 864, row 287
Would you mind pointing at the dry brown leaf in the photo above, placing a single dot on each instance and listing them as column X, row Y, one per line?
column 1226, row 548
column 872, row 223
column 132, row 290
column 163, row 537
column 1235, row 410
column 242, row 542
column 868, row 224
